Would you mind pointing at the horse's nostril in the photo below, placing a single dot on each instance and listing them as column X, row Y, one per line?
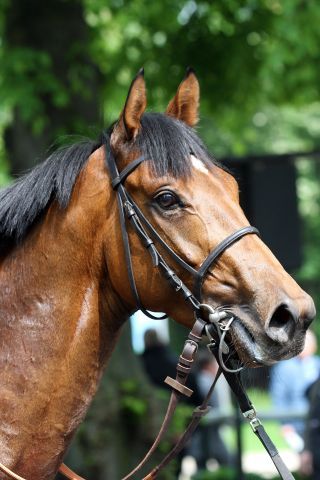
column 308, row 314
column 282, row 324
column 282, row 316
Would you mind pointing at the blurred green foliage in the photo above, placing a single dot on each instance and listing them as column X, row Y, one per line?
column 253, row 58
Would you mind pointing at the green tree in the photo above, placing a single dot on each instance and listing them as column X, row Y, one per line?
column 48, row 82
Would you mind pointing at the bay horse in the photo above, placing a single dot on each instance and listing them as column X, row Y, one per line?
column 65, row 291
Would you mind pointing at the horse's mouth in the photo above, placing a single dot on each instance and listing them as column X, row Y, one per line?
column 255, row 349
column 248, row 349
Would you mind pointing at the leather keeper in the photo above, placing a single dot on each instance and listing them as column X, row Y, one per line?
column 200, row 412
column 185, row 361
column 183, row 368
column 178, row 386
column 194, row 337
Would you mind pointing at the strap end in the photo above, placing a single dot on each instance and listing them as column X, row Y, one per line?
column 178, row 386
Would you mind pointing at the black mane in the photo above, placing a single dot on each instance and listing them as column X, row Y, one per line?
column 22, row 202
column 165, row 141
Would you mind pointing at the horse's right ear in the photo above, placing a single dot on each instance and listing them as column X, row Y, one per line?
column 185, row 104
column 129, row 124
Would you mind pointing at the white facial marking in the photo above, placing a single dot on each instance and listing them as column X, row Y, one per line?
column 199, row 165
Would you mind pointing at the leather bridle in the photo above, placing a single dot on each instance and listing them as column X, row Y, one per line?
column 216, row 326
column 141, row 225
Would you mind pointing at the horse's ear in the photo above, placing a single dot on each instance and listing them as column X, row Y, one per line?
column 185, row 104
column 136, row 103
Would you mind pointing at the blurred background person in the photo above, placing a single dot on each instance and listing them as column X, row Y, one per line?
column 290, row 380
column 160, row 361
column 310, row 457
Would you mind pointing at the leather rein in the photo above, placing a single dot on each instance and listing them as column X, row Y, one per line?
column 215, row 327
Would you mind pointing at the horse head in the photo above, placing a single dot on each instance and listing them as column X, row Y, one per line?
column 192, row 202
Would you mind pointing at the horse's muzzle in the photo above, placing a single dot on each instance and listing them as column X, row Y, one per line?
column 287, row 319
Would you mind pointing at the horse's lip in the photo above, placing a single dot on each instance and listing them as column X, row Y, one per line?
column 249, row 349
column 254, row 349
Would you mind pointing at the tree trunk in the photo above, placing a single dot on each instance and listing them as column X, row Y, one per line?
column 55, row 84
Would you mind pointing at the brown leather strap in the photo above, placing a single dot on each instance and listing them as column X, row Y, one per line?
column 186, row 360
column 197, row 414
column 68, row 473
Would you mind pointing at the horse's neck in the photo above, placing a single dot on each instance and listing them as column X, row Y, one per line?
column 57, row 327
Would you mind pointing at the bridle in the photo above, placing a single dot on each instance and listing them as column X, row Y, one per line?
column 216, row 326
column 128, row 209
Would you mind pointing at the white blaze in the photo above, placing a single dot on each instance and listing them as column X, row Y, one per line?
column 199, row 165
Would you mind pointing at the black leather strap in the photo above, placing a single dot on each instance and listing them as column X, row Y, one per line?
column 120, row 177
column 121, row 199
column 235, row 383
column 155, row 234
column 157, row 258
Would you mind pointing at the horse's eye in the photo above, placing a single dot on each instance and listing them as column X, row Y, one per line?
column 167, row 200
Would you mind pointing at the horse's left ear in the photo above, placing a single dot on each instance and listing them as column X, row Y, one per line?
column 185, row 105
column 136, row 103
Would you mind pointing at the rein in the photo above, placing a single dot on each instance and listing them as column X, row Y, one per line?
column 215, row 328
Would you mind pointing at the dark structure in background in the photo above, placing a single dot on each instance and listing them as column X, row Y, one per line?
column 268, row 196
column 269, row 199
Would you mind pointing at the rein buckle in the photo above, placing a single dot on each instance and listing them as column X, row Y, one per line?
column 251, row 416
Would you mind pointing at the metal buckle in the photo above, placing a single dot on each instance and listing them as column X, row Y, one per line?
column 177, row 281
column 251, row 416
column 219, row 328
column 193, row 343
column 128, row 207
